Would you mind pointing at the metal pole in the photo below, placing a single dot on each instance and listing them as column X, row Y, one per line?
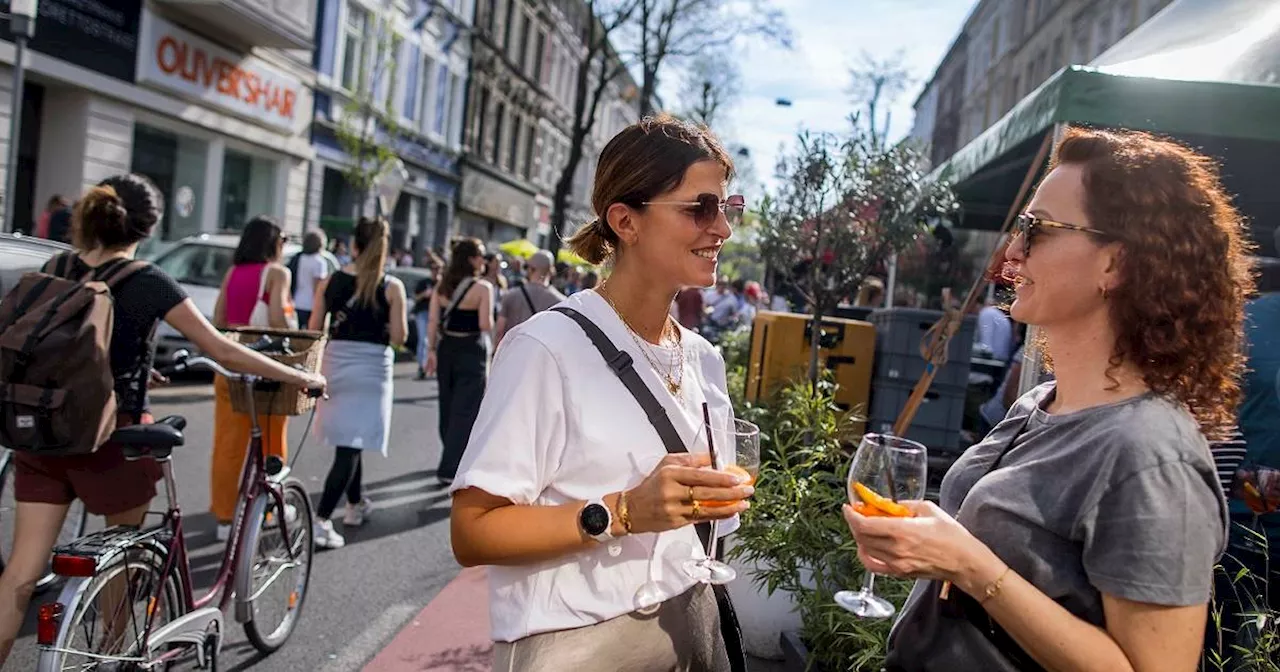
column 15, row 129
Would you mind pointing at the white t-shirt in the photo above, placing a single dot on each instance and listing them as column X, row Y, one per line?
column 555, row 426
column 312, row 268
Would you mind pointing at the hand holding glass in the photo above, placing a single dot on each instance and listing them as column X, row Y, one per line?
column 884, row 471
column 737, row 450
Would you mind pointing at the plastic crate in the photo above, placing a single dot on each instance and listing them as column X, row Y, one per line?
column 937, row 421
column 900, row 330
column 907, row 369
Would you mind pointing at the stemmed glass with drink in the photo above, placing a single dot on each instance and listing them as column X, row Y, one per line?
column 885, row 471
column 735, row 448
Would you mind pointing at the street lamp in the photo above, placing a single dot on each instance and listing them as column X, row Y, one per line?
column 22, row 25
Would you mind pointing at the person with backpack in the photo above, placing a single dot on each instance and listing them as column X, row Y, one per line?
column 95, row 365
column 255, row 293
column 368, row 317
column 308, row 268
column 459, row 321
column 530, row 297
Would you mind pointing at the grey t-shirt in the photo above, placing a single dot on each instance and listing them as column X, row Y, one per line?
column 515, row 307
column 1120, row 499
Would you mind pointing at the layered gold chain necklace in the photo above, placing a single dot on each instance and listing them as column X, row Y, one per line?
column 673, row 374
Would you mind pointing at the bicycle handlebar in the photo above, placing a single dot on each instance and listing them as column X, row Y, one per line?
column 184, row 361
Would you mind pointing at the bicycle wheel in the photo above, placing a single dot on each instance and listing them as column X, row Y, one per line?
column 72, row 526
column 279, row 583
column 105, row 615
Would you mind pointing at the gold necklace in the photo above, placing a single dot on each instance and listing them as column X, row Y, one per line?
column 673, row 382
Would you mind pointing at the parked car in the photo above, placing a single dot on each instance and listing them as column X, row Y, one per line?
column 20, row 253
column 410, row 276
column 199, row 263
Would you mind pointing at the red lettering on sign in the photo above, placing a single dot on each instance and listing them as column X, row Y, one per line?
column 177, row 58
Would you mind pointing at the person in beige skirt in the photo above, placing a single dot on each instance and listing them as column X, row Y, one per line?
column 566, row 488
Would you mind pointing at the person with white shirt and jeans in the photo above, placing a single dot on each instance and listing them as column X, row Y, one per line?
column 566, row 489
column 309, row 268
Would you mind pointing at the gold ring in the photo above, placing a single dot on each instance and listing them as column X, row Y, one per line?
column 691, row 498
column 697, row 510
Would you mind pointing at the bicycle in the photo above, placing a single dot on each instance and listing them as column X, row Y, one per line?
column 72, row 526
column 124, row 567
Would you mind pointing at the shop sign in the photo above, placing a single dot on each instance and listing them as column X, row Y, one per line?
column 495, row 199
column 101, row 35
column 175, row 59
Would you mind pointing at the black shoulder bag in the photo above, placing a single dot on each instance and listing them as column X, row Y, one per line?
column 621, row 364
column 961, row 605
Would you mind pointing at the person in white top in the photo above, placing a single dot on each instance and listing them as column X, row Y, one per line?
column 308, row 270
column 566, row 489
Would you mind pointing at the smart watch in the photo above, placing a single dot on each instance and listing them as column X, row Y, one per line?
column 596, row 520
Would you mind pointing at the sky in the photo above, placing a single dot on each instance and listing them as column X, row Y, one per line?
column 829, row 36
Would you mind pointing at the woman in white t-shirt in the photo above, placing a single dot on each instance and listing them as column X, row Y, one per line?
column 566, row 489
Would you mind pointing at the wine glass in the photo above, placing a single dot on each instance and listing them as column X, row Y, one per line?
column 885, row 470
column 735, row 447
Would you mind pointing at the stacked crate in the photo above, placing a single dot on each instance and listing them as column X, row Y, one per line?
column 898, row 365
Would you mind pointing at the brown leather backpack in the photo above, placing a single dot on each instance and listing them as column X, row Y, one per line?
column 57, row 391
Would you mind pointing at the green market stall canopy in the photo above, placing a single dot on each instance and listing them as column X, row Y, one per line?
column 1206, row 72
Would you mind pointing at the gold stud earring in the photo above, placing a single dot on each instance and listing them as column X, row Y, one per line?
column 1104, row 293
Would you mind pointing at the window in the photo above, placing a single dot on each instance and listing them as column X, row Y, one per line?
column 529, row 140
column 522, row 47
column 513, row 30
column 506, row 27
column 1058, row 57
column 513, row 151
column 424, row 92
column 197, row 264
column 354, row 33
column 498, row 118
column 454, row 110
column 488, row 21
column 389, row 61
column 995, row 39
column 1015, row 91
column 539, row 56
column 442, row 99
column 481, row 113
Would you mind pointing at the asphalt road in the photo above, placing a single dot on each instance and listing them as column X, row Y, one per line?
column 360, row 595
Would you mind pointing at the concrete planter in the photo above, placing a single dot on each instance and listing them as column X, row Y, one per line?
column 763, row 617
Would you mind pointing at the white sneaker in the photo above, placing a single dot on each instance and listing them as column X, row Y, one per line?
column 326, row 536
column 290, row 514
column 223, row 532
column 356, row 514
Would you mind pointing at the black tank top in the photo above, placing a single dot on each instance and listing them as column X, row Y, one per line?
column 355, row 321
column 461, row 321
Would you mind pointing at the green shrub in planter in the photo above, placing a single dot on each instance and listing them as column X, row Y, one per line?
column 795, row 531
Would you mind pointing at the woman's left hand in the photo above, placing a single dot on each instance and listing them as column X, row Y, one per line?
column 931, row 545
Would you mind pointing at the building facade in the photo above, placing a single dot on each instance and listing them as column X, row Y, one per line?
column 1006, row 50
column 525, row 62
column 411, row 59
column 211, row 100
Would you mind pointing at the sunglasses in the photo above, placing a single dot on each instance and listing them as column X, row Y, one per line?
column 707, row 208
column 1028, row 226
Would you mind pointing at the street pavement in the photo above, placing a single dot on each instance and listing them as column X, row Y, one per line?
column 392, row 600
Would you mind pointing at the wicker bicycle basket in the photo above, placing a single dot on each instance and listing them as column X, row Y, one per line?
column 307, row 348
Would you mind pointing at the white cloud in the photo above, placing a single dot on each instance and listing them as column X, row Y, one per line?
column 829, row 36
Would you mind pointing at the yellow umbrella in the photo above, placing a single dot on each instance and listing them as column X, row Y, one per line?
column 568, row 257
column 520, row 247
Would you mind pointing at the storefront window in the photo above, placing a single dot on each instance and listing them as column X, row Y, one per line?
column 177, row 165
column 248, row 190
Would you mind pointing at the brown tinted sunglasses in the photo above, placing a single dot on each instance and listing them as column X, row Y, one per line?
column 708, row 207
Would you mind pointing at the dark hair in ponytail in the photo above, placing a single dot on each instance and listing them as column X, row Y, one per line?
column 647, row 158
column 118, row 212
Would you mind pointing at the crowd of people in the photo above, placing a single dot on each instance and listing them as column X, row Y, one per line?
column 1081, row 533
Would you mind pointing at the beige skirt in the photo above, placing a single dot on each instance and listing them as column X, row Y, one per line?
column 683, row 635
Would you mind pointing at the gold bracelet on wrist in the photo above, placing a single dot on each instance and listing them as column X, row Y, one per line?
column 624, row 514
column 993, row 588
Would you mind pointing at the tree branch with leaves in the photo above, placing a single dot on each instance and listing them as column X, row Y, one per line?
column 844, row 206
column 367, row 127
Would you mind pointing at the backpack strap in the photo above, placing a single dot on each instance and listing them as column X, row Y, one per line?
column 120, row 272
column 533, row 310
column 112, row 275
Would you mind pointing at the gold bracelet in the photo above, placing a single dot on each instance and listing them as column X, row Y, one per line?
column 624, row 514
column 993, row 588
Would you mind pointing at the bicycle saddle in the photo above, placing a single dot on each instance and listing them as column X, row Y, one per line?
column 156, row 441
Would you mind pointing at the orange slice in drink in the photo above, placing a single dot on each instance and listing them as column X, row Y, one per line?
column 885, row 505
column 866, row 509
column 731, row 469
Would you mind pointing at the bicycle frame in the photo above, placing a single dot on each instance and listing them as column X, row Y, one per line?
column 254, row 484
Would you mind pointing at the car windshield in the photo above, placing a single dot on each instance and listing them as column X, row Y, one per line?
column 199, row 265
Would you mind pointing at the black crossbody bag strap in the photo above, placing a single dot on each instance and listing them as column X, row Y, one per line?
column 622, row 365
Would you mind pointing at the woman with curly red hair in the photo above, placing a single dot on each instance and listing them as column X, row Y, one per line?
column 1081, row 534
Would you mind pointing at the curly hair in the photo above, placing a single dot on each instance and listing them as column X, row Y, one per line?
column 1178, row 309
